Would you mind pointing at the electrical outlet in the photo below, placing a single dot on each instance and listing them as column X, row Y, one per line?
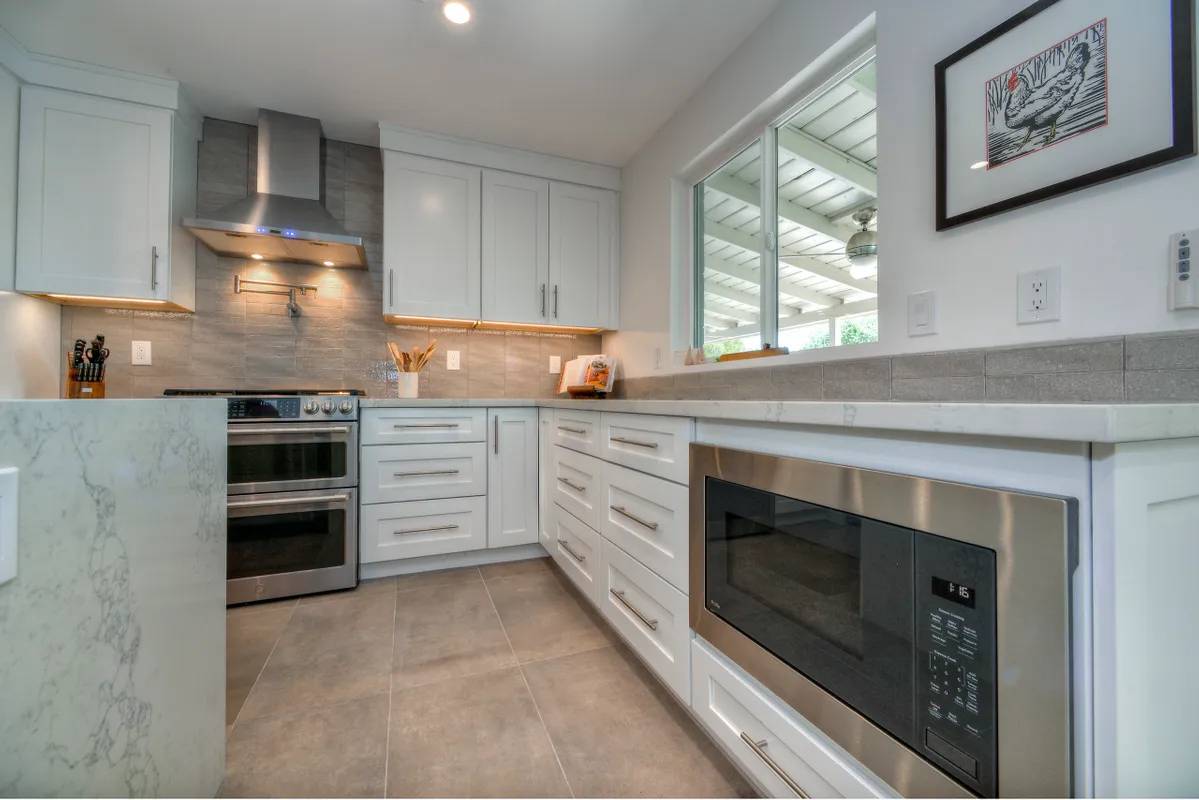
column 1039, row 296
column 555, row 364
column 922, row 313
column 452, row 360
column 141, row 354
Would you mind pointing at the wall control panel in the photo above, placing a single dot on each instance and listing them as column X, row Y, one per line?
column 1182, row 281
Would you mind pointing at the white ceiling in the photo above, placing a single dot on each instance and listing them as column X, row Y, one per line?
column 586, row 79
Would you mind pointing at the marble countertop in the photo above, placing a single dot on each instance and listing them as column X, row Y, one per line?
column 1103, row 423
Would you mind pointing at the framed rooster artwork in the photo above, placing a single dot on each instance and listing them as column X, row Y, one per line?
column 1064, row 95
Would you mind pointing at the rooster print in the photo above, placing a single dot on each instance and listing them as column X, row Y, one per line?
column 1053, row 96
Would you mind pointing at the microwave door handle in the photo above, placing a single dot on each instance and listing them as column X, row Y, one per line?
column 288, row 501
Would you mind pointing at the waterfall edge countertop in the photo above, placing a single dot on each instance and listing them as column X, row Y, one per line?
column 1107, row 423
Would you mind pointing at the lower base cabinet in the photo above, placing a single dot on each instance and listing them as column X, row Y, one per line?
column 650, row 614
column 783, row 753
column 390, row 531
column 576, row 548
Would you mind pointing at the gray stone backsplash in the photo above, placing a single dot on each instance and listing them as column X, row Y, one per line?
column 1156, row 368
column 244, row 341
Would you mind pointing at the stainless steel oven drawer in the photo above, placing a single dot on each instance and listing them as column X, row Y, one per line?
column 292, row 456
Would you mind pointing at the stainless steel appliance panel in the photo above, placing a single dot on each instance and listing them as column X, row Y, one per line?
column 292, row 456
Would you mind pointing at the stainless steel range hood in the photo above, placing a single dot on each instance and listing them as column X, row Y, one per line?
column 284, row 220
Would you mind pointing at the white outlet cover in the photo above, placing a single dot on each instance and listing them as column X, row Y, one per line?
column 141, row 356
column 8, row 524
column 453, row 360
column 1039, row 296
column 555, row 364
column 922, row 313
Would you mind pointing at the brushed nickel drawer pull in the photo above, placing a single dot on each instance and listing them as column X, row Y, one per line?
column 759, row 749
column 566, row 546
column 572, row 484
column 634, row 442
column 652, row 624
column 426, row 530
column 426, row 472
column 572, row 430
column 427, row 425
column 653, row 526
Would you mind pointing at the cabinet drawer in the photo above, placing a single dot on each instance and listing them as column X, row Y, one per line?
column 738, row 713
column 647, row 517
column 575, row 484
column 650, row 614
column 576, row 548
column 578, row 430
column 421, row 425
column 393, row 473
column 389, row 531
column 657, row 445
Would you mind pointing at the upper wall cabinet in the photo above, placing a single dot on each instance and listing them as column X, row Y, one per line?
column 516, row 241
column 102, row 186
column 583, row 247
column 430, row 237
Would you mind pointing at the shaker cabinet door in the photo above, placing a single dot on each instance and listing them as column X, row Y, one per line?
column 431, row 259
column 582, row 255
column 94, row 196
column 512, row 477
column 516, row 239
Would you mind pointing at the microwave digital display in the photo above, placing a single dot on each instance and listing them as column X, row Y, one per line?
column 952, row 590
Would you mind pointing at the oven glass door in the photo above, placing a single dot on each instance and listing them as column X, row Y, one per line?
column 277, row 534
column 829, row 593
column 292, row 456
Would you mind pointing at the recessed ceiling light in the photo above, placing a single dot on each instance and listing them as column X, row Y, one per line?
column 328, row 263
column 979, row 165
column 256, row 256
column 456, row 12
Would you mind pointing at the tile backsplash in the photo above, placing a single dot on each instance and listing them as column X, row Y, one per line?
column 241, row 341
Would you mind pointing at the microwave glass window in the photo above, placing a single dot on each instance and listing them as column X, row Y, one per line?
column 270, row 544
column 263, row 462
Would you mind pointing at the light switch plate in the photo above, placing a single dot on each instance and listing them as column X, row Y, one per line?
column 453, row 360
column 1183, row 292
column 555, row 364
column 922, row 313
column 8, row 524
column 1039, row 296
column 141, row 354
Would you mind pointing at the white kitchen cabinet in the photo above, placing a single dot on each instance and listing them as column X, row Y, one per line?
column 102, row 187
column 392, row 531
column 398, row 472
column 431, row 234
column 578, row 484
column 512, row 477
column 545, row 453
column 516, row 221
column 578, row 430
column 577, row 550
column 423, row 425
column 583, row 247
column 647, row 517
column 655, row 444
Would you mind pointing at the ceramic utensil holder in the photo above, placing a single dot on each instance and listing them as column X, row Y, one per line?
column 407, row 385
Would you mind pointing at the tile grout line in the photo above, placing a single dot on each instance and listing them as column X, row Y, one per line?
column 524, row 679
column 261, row 669
column 395, row 610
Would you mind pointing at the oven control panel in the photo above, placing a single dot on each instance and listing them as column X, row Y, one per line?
column 955, row 670
column 293, row 407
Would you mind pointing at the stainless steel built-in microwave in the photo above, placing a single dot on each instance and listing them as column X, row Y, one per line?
column 923, row 625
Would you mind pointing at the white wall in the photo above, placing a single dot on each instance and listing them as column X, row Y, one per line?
column 1109, row 240
column 29, row 328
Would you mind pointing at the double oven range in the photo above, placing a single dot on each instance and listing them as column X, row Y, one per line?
column 292, row 491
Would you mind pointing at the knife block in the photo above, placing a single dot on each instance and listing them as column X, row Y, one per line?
column 75, row 389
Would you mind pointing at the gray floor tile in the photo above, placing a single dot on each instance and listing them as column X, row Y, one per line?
column 249, row 639
column 507, row 569
column 372, row 586
column 543, row 618
column 341, row 622
column 447, row 631
column 337, row 751
column 441, row 577
column 472, row 737
column 619, row 734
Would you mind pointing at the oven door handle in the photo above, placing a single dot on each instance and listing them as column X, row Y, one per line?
column 281, row 431
column 759, row 749
column 289, row 501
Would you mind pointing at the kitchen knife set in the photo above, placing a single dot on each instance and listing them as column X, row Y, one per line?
column 87, row 363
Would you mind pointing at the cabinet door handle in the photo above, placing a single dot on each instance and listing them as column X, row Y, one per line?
column 652, row 624
column 391, row 289
column 425, row 530
column 496, row 431
column 624, row 512
column 634, row 442
column 572, row 430
column 565, row 545
column 572, row 484
column 759, row 749
column 427, row 425
column 543, row 299
column 425, row 472
column 555, row 301
column 154, row 267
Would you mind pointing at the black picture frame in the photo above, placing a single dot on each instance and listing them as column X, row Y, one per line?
column 1182, row 15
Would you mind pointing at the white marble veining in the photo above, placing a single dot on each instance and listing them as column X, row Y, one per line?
column 1106, row 423
column 113, row 660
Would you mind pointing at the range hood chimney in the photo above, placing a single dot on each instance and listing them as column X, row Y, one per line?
column 284, row 220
